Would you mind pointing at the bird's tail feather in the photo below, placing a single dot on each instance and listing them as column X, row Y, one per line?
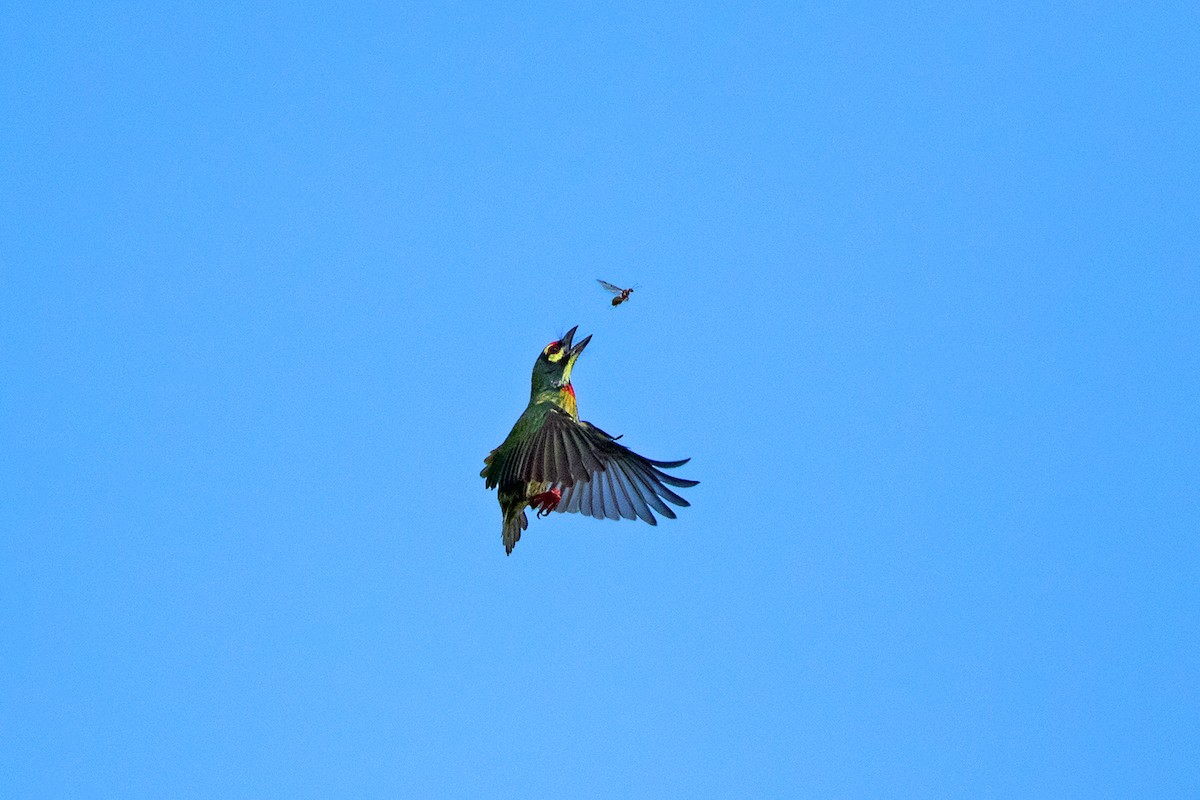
column 513, row 525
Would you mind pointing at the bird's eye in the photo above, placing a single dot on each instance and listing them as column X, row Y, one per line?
column 553, row 348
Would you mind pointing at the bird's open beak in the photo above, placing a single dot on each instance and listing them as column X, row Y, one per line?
column 571, row 350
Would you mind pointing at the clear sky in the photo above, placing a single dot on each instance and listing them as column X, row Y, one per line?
column 919, row 291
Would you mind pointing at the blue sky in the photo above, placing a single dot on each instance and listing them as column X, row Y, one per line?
column 918, row 296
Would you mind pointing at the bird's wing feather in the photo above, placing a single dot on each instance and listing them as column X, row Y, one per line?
column 598, row 476
column 542, row 448
column 618, row 482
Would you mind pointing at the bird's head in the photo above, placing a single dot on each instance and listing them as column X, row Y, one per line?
column 553, row 367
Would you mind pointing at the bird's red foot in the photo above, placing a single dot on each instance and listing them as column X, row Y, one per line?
column 546, row 501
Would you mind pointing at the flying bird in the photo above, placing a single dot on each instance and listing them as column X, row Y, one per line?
column 621, row 294
column 553, row 461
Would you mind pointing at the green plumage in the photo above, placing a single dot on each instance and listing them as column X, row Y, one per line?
column 514, row 495
column 555, row 462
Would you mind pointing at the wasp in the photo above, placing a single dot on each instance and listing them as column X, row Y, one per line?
column 621, row 294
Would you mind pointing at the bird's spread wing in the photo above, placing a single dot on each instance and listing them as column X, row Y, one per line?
column 597, row 476
column 628, row 485
column 554, row 451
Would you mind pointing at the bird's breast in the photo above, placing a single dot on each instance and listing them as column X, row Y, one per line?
column 567, row 401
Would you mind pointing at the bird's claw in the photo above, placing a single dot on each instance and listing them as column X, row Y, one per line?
column 546, row 502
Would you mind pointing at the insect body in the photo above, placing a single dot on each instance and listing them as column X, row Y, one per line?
column 621, row 294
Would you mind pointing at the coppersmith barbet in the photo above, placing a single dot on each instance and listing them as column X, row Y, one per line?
column 553, row 461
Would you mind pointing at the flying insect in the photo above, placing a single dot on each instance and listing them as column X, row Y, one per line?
column 621, row 294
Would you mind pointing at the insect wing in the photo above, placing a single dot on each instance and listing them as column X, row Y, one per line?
column 609, row 286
